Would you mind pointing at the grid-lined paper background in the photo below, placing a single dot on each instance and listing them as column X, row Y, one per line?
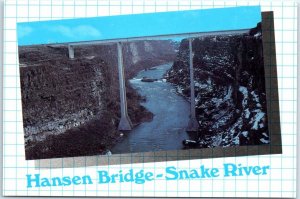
column 280, row 182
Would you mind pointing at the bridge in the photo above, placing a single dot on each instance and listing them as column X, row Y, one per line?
column 125, row 122
column 116, row 30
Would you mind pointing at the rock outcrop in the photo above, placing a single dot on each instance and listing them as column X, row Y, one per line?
column 71, row 107
column 229, row 88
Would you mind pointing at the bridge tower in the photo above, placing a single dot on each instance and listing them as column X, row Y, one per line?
column 125, row 122
column 193, row 123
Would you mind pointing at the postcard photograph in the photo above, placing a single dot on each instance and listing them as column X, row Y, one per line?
column 160, row 92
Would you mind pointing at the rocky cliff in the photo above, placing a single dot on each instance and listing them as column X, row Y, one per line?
column 229, row 88
column 71, row 107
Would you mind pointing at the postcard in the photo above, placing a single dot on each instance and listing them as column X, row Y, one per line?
column 152, row 99
column 111, row 85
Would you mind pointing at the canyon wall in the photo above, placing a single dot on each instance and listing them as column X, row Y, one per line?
column 229, row 88
column 71, row 107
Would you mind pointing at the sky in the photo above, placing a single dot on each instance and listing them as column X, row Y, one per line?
column 137, row 25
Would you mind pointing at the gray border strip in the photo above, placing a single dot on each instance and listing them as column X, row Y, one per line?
column 273, row 118
column 298, row 105
column 1, row 87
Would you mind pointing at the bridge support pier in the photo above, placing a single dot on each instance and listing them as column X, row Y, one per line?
column 71, row 51
column 125, row 122
column 193, row 123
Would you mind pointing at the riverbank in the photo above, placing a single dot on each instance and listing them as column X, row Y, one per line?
column 171, row 115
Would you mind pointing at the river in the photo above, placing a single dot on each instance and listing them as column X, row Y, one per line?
column 171, row 116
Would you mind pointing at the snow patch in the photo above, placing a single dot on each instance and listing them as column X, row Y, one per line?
column 229, row 93
column 90, row 57
column 199, row 85
column 245, row 133
column 238, row 125
column 257, row 119
column 244, row 91
column 217, row 101
column 236, row 140
column 257, row 34
column 179, row 89
column 247, row 113
column 261, row 125
column 264, row 141
column 222, row 120
column 264, row 134
column 255, row 97
column 209, row 81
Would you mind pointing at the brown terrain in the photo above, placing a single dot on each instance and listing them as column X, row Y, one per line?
column 71, row 107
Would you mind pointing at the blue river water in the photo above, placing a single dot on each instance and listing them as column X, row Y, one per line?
column 171, row 116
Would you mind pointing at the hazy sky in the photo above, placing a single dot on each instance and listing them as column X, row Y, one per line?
column 139, row 25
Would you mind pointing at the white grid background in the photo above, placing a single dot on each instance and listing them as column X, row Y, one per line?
column 280, row 182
